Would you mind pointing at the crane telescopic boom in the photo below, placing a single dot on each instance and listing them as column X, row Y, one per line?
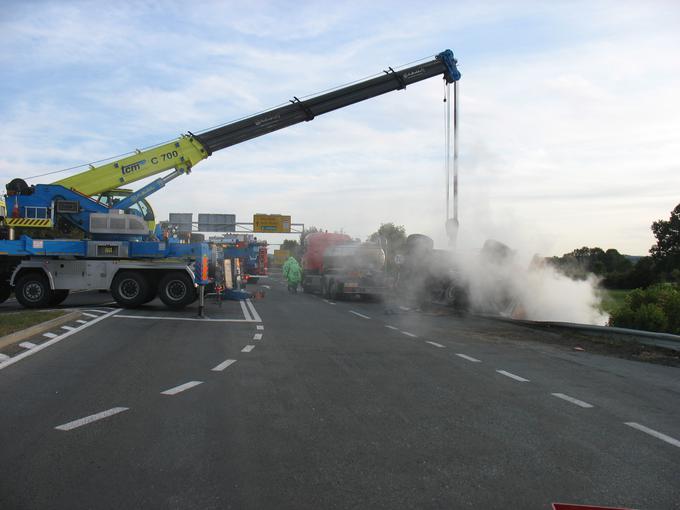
column 68, row 198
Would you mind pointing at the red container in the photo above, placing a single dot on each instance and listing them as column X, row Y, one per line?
column 315, row 246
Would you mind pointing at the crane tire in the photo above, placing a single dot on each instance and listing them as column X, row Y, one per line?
column 176, row 290
column 58, row 296
column 32, row 290
column 130, row 289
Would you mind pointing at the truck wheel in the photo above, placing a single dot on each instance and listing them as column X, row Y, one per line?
column 5, row 290
column 130, row 289
column 58, row 296
column 33, row 290
column 333, row 290
column 176, row 290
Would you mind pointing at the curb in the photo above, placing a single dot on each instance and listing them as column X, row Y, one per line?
column 23, row 334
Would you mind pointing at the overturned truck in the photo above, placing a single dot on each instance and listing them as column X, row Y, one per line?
column 428, row 275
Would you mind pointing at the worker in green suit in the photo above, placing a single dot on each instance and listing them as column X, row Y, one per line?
column 292, row 272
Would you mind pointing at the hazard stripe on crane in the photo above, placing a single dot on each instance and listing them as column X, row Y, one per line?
column 28, row 222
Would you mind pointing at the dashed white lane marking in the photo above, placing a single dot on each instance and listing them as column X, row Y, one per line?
column 49, row 335
column 81, row 321
column 359, row 314
column 89, row 419
column 27, row 345
column 404, row 308
column 3, row 357
column 254, row 313
column 95, row 311
column 652, row 432
column 244, row 308
column 260, row 327
column 159, row 318
column 434, row 343
column 469, row 358
column 573, row 400
column 257, row 336
column 329, row 302
column 68, row 328
column 223, row 365
column 90, row 315
column 512, row 376
column 409, row 334
column 54, row 340
column 181, row 388
column 248, row 348
column 391, row 327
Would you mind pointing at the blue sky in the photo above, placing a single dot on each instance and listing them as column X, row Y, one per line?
column 570, row 116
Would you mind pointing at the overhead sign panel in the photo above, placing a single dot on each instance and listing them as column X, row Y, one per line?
column 182, row 221
column 216, row 222
column 271, row 223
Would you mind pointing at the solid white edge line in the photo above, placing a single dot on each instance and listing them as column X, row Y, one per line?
column 254, row 313
column 573, row 400
column 248, row 348
column 246, row 314
column 257, row 336
column 223, row 365
column 56, row 339
column 652, row 432
column 27, row 345
column 89, row 419
column 50, row 335
column 260, row 327
column 512, row 376
column 469, row 358
column 149, row 317
column 181, row 388
column 434, row 343
column 409, row 334
column 391, row 327
column 359, row 314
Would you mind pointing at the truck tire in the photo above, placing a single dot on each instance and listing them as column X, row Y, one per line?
column 5, row 290
column 58, row 296
column 334, row 290
column 130, row 289
column 176, row 290
column 32, row 290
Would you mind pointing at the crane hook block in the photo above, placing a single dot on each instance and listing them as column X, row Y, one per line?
column 452, row 73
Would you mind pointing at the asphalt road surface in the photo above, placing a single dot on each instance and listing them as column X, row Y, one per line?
column 292, row 401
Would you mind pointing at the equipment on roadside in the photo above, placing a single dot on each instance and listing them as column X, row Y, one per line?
column 91, row 243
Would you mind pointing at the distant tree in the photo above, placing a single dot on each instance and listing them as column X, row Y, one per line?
column 291, row 245
column 393, row 238
column 666, row 252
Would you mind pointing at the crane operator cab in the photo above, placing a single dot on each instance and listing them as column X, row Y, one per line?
column 142, row 208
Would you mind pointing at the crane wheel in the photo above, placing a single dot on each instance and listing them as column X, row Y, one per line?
column 176, row 290
column 130, row 289
column 32, row 290
column 58, row 296
column 5, row 290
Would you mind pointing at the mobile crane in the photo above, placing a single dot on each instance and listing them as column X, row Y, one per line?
column 117, row 251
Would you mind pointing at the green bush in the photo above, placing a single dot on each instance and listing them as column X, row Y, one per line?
column 656, row 308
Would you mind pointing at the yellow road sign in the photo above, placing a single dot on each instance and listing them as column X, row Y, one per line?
column 271, row 223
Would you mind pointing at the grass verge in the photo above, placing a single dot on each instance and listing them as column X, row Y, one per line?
column 16, row 321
